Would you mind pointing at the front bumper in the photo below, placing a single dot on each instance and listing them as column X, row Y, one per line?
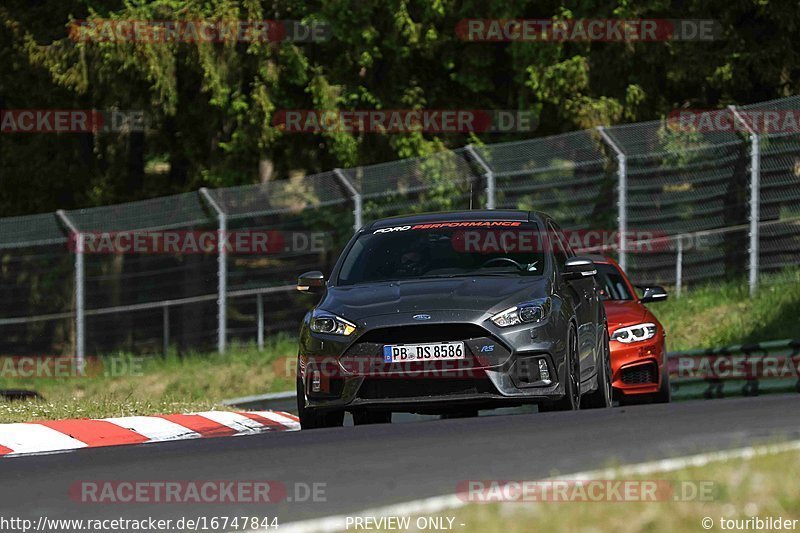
column 500, row 368
column 637, row 368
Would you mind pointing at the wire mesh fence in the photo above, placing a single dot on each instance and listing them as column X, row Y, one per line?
column 567, row 176
column 687, row 260
column 441, row 182
column 779, row 158
column 198, row 270
column 681, row 181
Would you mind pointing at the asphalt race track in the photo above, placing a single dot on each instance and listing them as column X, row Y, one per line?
column 369, row 466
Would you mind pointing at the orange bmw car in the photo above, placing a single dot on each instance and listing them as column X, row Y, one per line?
column 638, row 350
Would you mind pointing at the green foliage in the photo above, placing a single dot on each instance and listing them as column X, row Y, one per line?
column 210, row 106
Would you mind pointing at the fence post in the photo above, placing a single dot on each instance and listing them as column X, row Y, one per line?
column 260, row 317
column 679, row 268
column 357, row 206
column 755, row 200
column 755, row 208
column 622, row 196
column 222, row 271
column 80, row 295
column 488, row 173
column 166, row 328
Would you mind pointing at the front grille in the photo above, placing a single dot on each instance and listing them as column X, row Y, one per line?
column 640, row 374
column 365, row 356
column 424, row 333
column 380, row 389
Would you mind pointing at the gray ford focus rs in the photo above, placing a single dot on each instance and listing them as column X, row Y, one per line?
column 449, row 313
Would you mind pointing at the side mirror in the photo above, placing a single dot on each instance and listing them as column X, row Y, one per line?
column 311, row 282
column 578, row 268
column 653, row 294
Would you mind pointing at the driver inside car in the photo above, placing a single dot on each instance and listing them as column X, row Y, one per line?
column 412, row 263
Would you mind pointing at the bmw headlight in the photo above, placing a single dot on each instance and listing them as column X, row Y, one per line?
column 637, row 333
column 524, row 313
column 324, row 322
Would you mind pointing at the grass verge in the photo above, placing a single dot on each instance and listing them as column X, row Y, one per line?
column 720, row 314
column 741, row 489
column 98, row 407
column 133, row 385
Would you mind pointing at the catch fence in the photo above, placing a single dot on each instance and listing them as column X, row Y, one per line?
column 715, row 204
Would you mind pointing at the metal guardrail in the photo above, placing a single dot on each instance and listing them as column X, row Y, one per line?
column 281, row 401
column 747, row 367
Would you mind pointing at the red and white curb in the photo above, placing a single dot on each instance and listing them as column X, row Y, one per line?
column 50, row 436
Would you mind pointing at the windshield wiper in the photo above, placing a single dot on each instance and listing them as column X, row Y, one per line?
column 473, row 275
column 435, row 276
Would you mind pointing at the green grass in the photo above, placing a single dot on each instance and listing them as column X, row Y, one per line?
column 720, row 314
column 708, row 316
column 103, row 406
column 743, row 488
column 154, row 384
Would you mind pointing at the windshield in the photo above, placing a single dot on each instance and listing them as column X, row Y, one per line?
column 449, row 249
column 612, row 284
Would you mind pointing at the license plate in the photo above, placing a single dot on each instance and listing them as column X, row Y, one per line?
column 399, row 353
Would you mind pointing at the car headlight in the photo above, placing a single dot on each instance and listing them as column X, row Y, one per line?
column 324, row 322
column 524, row 313
column 637, row 333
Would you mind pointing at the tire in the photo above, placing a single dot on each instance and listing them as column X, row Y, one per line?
column 572, row 386
column 664, row 394
column 313, row 419
column 361, row 418
column 601, row 398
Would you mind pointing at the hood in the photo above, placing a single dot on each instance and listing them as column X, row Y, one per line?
column 625, row 312
column 479, row 294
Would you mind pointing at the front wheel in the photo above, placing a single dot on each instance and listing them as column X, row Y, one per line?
column 572, row 385
column 313, row 419
column 602, row 396
column 664, row 394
